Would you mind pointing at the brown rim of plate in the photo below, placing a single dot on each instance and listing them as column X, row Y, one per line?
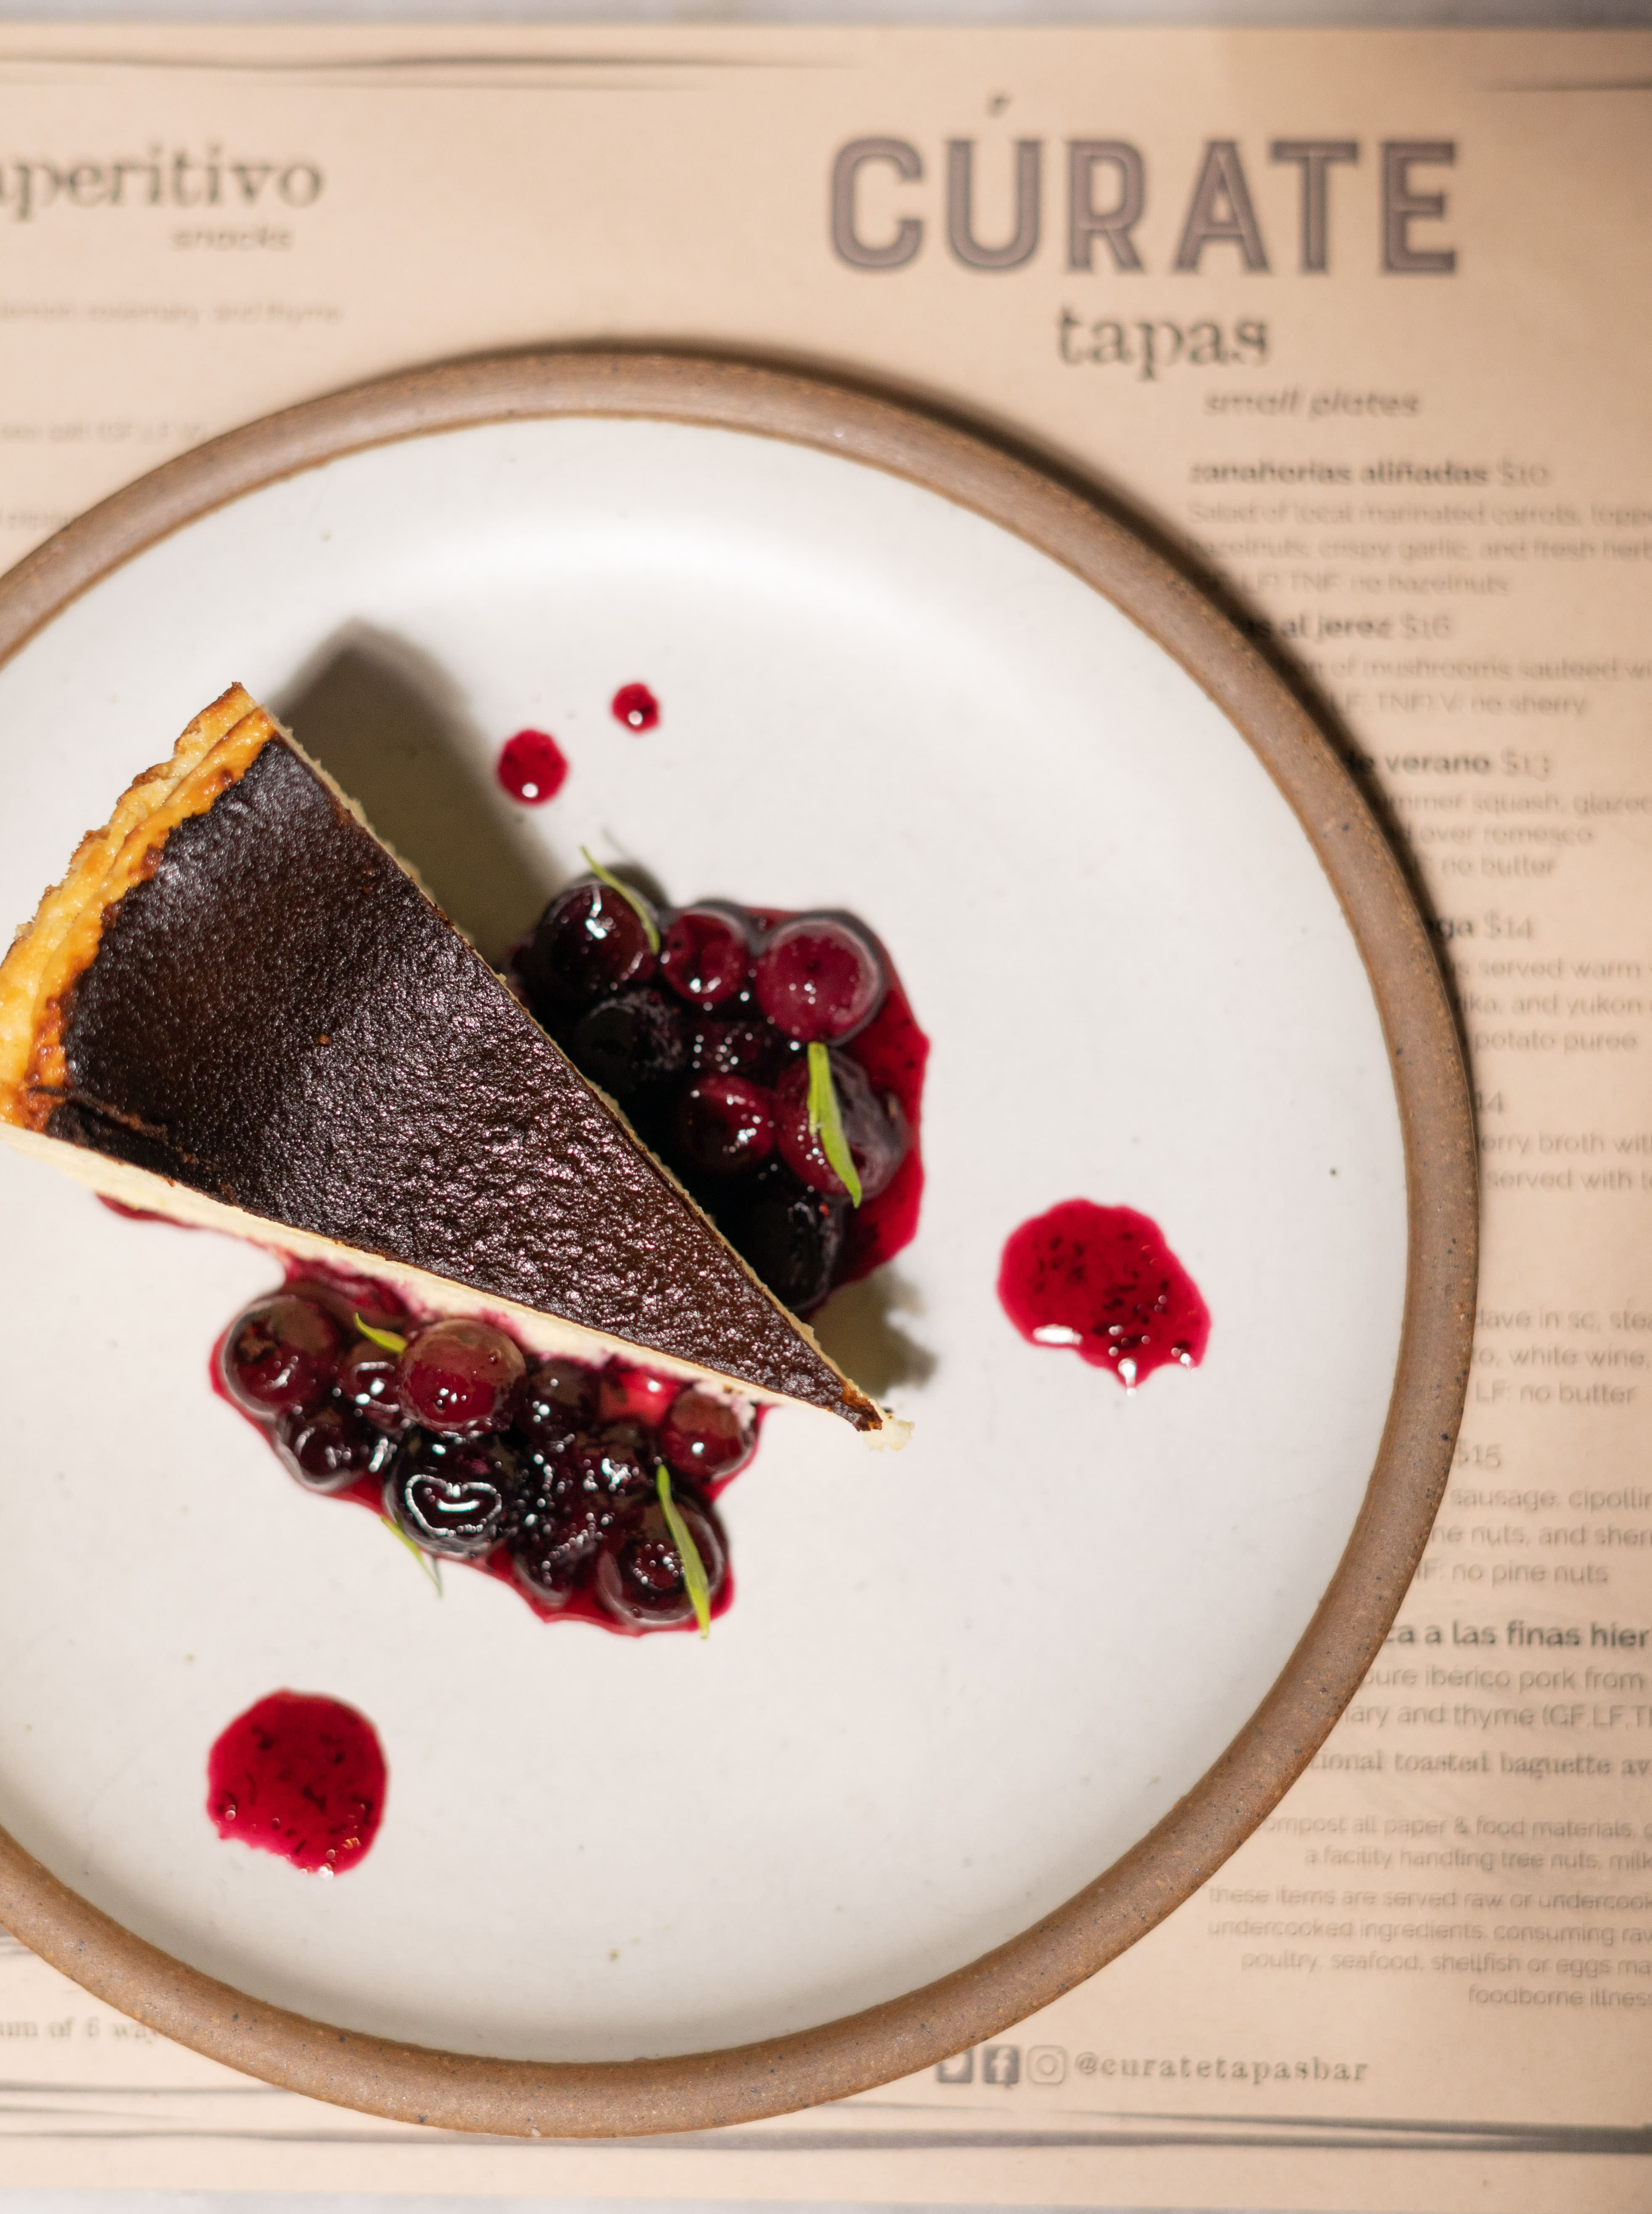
column 461, row 2091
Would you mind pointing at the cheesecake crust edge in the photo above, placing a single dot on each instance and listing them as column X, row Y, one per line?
column 60, row 942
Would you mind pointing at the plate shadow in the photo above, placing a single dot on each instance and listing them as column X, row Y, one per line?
column 857, row 1327
column 391, row 727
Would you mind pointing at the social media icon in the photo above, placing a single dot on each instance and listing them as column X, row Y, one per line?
column 1047, row 2064
column 960, row 2069
column 1000, row 2063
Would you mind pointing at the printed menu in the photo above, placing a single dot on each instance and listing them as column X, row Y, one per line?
column 1359, row 324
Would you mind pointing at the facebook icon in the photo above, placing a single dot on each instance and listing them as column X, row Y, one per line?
column 1002, row 2063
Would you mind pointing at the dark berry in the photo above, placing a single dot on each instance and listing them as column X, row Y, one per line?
column 634, row 1439
column 588, row 942
column 818, row 978
column 283, row 1353
column 706, row 957
column 550, row 1556
column 743, row 1046
column 705, row 1438
column 877, row 1141
column 330, row 1448
column 460, row 1378
column 640, row 1576
column 628, row 1043
column 368, row 1384
column 643, row 1394
column 610, row 1464
column 570, row 1505
column 792, row 1236
column 452, row 1496
column 557, row 1401
column 723, row 1125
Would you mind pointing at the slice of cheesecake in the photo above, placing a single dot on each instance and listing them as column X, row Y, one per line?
column 240, row 1010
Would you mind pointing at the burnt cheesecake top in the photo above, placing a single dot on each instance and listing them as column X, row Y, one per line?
column 271, row 1013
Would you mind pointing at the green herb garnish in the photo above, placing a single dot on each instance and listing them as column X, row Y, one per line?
column 391, row 1340
column 432, row 1569
column 635, row 899
column 693, row 1568
column 826, row 1123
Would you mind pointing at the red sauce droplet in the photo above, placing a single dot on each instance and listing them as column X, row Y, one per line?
column 532, row 768
column 1102, row 1282
column 635, row 705
column 300, row 1776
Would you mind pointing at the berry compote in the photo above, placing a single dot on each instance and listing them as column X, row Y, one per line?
column 592, row 1489
column 771, row 1061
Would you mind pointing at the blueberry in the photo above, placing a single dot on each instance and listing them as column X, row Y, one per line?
column 876, row 1139
column 460, row 1377
column 568, row 1505
column 330, row 1448
column 741, row 1045
column 630, row 1043
column 705, row 1438
column 723, row 1125
column 792, row 1236
column 705, row 956
column 368, row 1386
column 452, row 1496
column 589, row 941
column 819, row 978
column 639, row 1579
column 558, row 1400
column 283, row 1353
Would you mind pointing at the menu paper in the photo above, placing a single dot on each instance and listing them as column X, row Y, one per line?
column 1359, row 323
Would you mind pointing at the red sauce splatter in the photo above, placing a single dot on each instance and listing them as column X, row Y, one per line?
column 300, row 1776
column 532, row 768
column 635, row 705
column 1102, row 1282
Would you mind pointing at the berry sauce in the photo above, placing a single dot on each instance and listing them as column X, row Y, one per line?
column 532, row 768
column 300, row 1776
column 135, row 1214
column 893, row 1052
column 1103, row 1282
column 635, row 705
column 542, row 1473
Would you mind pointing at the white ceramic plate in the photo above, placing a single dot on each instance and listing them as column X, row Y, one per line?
column 954, row 1683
